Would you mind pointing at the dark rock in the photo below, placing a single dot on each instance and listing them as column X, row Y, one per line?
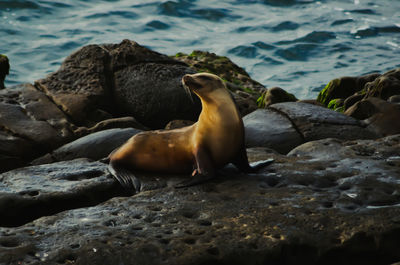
column 381, row 116
column 275, row 95
column 315, row 122
column 100, row 82
column 344, row 87
column 350, row 101
column 362, row 110
column 123, row 122
column 31, row 192
column 245, row 102
column 30, row 124
column 94, row 146
column 385, row 85
column 306, row 208
column 4, row 69
column 178, row 124
column 267, row 128
column 154, row 95
column 394, row 99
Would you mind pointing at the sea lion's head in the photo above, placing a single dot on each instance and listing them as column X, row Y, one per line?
column 202, row 84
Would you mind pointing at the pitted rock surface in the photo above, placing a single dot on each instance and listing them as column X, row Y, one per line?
column 306, row 208
column 31, row 192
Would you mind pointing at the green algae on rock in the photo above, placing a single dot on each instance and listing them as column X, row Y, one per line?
column 344, row 87
column 203, row 61
column 274, row 95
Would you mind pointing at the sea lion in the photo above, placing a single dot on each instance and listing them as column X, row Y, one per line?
column 216, row 139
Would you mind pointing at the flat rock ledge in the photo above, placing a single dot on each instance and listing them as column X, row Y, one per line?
column 328, row 201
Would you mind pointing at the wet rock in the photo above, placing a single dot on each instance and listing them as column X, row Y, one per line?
column 267, row 128
column 101, row 82
column 93, row 146
column 394, row 99
column 344, row 87
column 315, row 122
column 275, row 95
column 4, row 69
column 31, row 192
column 385, row 85
column 30, row 124
column 313, row 209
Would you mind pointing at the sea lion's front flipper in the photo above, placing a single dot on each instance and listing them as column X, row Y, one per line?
column 124, row 177
column 205, row 170
column 242, row 163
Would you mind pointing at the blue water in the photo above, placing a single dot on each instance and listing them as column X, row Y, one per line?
column 298, row 45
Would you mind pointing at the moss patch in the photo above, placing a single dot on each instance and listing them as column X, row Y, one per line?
column 202, row 61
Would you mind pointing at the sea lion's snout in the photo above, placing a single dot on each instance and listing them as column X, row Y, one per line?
column 186, row 85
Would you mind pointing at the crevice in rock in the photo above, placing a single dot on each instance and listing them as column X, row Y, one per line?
column 291, row 121
column 23, row 211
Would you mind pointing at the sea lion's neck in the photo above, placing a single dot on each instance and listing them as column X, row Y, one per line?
column 218, row 107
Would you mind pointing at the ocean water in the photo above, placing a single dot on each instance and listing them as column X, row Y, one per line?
column 298, row 45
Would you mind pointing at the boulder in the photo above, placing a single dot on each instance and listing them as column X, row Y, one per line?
column 385, row 85
column 100, row 82
column 382, row 117
column 267, row 128
column 306, row 208
column 93, row 146
column 4, row 69
column 315, row 122
column 275, row 95
column 30, row 124
column 344, row 87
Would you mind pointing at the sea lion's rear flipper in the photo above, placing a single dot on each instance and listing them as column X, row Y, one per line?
column 205, row 170
column 124, row 177
column 242, row 163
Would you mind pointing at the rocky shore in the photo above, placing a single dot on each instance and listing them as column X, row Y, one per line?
column 332, row 196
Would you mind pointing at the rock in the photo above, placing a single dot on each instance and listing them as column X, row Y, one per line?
column 178, row 124
column 350, row 101
column 245, row 102
column 306, row 208
column 385, row 85
column 32, row 192
column 315, row 122
column 222, row 66
column 30, row 124
column 94, row 146
column 394, row 99
column 344, row 87
column 100, row 82
column 154, row 95
column 381, row 116
column 123, row 122
column 386, row 122
column 362, row 109
column 4, row 69
column 267, row 128
column 275, row 95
